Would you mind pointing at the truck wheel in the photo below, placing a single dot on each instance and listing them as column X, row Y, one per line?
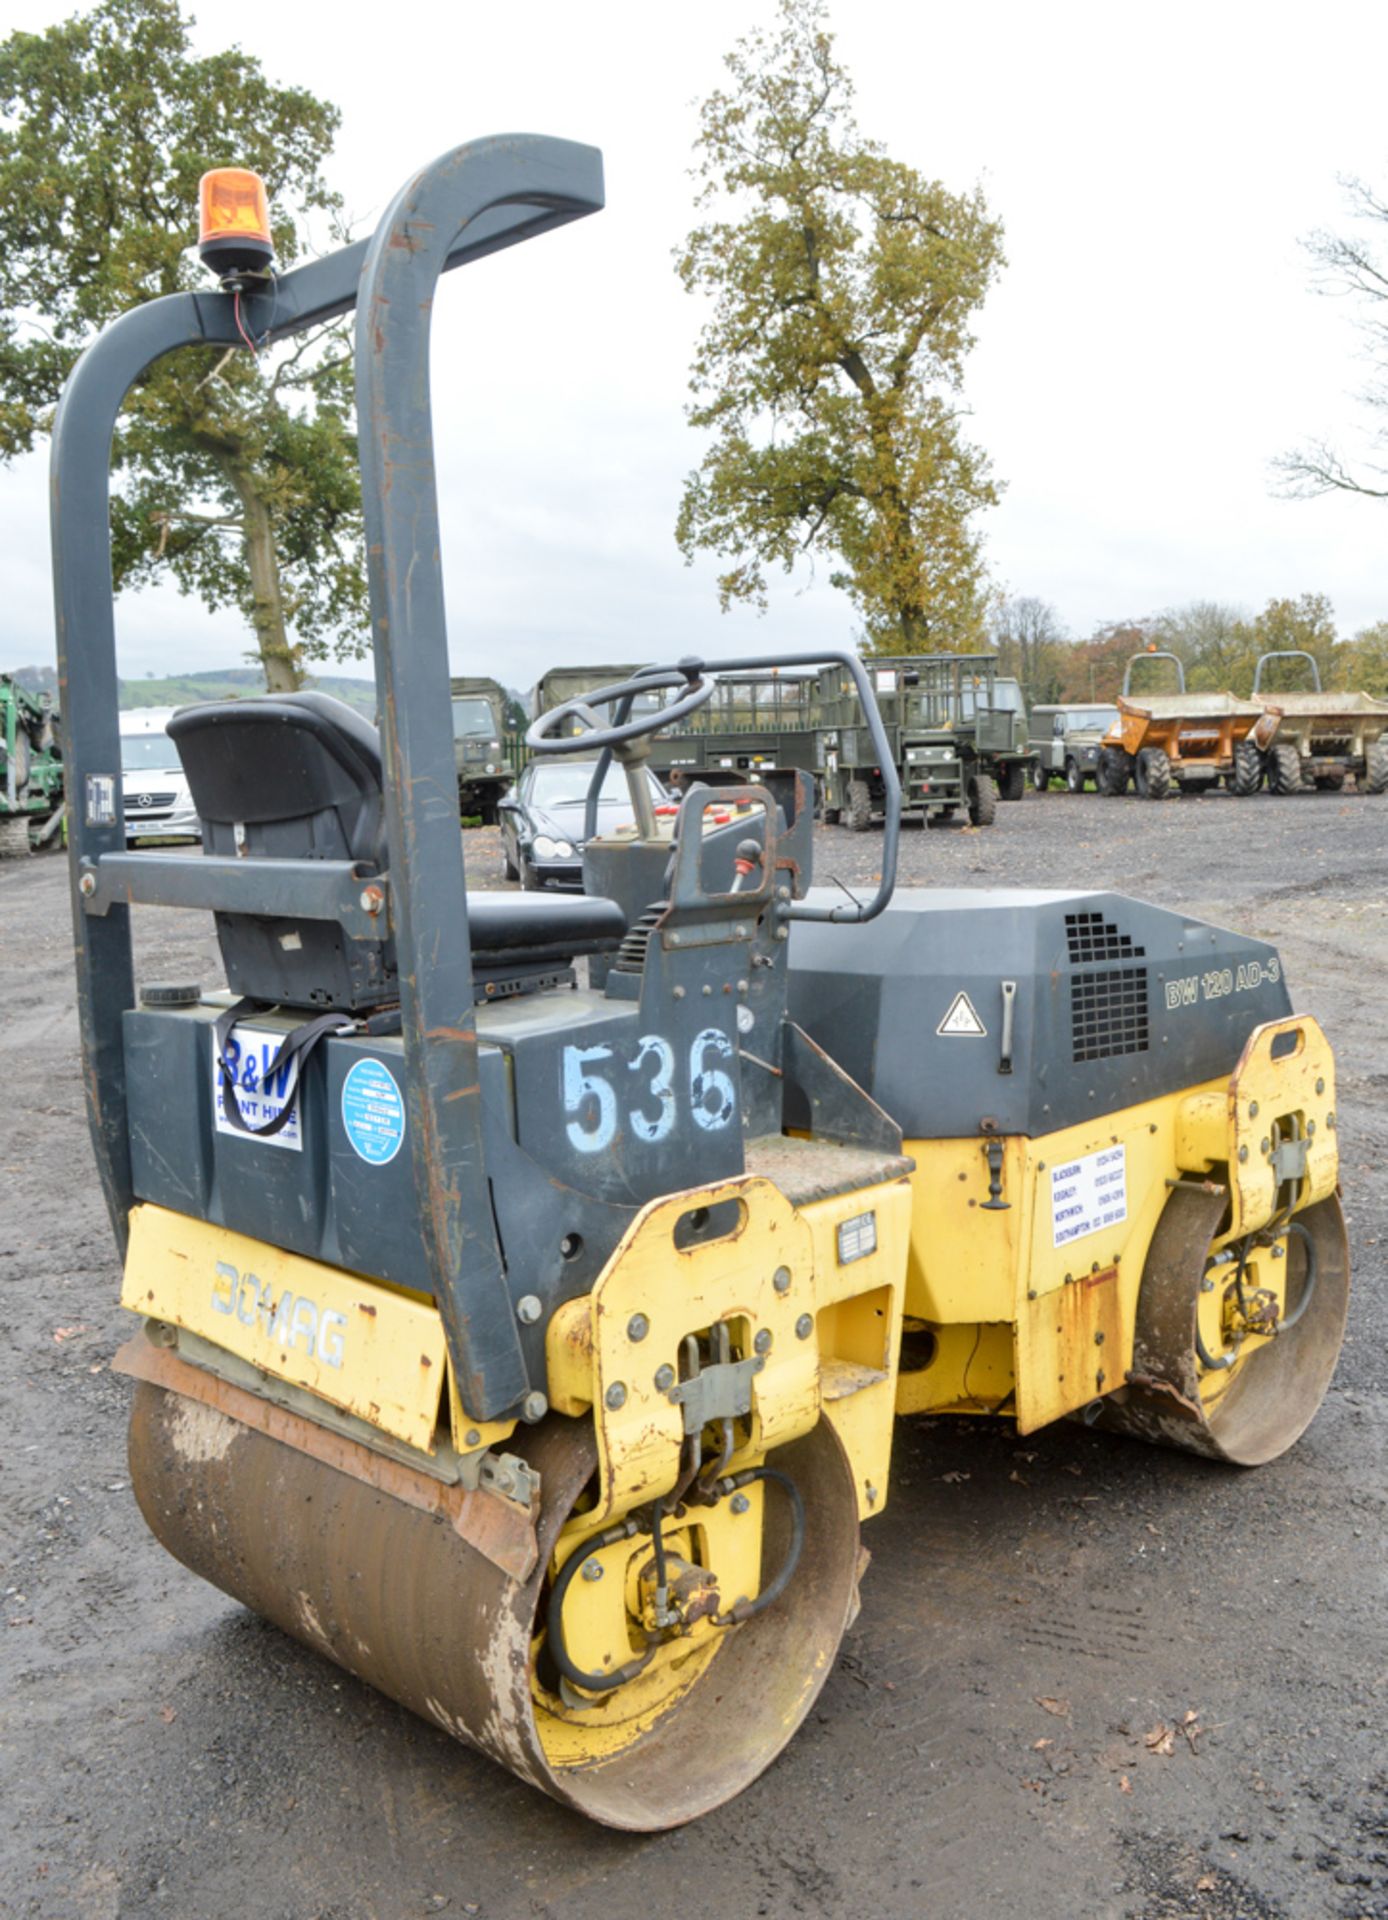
column 1014, row 781
column 1284, row 770
column 1040, row 777
column 858, row 812
column 1115, row 771
column 1074, row 779
column 1376, row 767
column 1247, row 776
column 1153, row 773
column 14, row 838
column 983, row 800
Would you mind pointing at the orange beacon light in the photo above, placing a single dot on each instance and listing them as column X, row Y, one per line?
column 234, row 223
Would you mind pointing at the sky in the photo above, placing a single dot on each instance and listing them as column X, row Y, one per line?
column 1153, row 344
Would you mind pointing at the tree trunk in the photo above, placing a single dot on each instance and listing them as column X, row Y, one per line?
column 277, row 656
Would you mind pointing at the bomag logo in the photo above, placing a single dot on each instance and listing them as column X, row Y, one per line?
column 293, row 1322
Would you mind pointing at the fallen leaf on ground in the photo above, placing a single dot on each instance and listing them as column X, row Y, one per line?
column 168, row 1715
column 1206, row 1883
column 1125, row 1785
column 1037, row 1745
column 1060, row 1708
column 67, row 1333
column 1162, row 1739
column 1017, row 1477
column 954, row 1477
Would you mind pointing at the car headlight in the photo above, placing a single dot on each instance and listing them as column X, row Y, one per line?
column 551, row 849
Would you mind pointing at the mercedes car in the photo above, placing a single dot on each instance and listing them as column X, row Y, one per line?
column 542, row 819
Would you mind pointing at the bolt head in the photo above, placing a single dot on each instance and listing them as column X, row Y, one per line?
column 87, row 884
column 372, row 899
column 638, row 1327
column 534, row 1407
column 592, row 1570
column 1253, row 1109
column 616, row 1396
column 1243, row 1153
column 740, row 1503
column 528, row 1309
column 472, row 1437
column 664, row 1379
column 1330, row 1121
column 780, row 1280
column 762, row 1343
column 804, row 1327
column 1320, row 1086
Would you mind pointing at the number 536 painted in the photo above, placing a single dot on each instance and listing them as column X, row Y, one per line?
column 601, row 1091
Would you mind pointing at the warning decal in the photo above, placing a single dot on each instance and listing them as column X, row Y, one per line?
column 961, row 1022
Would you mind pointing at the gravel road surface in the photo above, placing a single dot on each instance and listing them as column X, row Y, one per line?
column 1034, row 1611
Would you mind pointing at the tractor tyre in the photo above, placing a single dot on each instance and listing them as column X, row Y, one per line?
column 1247, row 776
column 1040, row 778
column 1376, row 767
column 858, row 812
column 983, row 800
column 14, row 838
column 1013, row 783
column 1153, row 773
column 1284, row 770
column 832, row 816
column 1115, row 772
column 1074, row 777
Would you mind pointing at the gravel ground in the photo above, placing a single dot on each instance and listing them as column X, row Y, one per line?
column 1033, row 1609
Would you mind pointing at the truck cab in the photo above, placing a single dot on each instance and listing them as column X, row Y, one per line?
column 479, row 746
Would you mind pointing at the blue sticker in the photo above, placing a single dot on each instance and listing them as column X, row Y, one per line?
column 373, row 1112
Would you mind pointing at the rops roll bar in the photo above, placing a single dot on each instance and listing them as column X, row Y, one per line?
column 476, row 200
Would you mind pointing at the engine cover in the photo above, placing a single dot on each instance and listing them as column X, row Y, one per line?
column 1114, row 1002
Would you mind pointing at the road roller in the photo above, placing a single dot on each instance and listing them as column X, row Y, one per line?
column 526, row 1287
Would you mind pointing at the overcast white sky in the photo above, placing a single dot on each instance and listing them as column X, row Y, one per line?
column 1152, row 345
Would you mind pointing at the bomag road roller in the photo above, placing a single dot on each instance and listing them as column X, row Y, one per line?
column 528, row 1286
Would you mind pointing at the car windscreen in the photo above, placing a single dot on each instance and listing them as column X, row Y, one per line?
column 472, row 718
column 564, row 781
column 1091, row 717
column 148, row 753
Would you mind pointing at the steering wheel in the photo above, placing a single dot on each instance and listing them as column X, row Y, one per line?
column 689, row 675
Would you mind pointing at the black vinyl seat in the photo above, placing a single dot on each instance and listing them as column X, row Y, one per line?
column 298, row 776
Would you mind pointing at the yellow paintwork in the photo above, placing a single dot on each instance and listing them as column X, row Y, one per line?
column 1234, row 1123
column 977, row 1277
column 368, row 1348
column 849, row 1354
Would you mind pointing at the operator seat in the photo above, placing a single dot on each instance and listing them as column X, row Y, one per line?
column 297, row 776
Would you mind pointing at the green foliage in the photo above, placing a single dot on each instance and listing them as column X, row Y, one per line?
column 843, row 285
column 235, row 473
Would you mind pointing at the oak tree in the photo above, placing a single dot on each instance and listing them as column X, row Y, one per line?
column 236, row 470
column 842, row 285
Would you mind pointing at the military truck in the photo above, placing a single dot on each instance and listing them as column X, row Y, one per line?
column 751, row 724
column 31, row 770
column 958, row 735
column 479, row 746
column 1066, row 741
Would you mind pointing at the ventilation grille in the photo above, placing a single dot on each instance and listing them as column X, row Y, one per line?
column 1090, row 937
column 1108, row 1012
column 631, row 955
